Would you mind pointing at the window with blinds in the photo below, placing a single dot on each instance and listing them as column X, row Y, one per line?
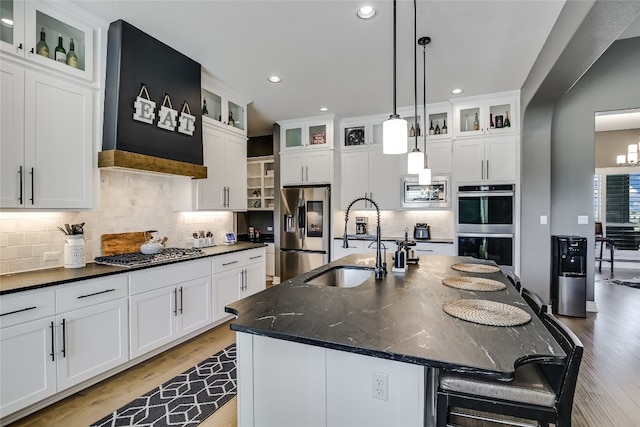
column 622, row 214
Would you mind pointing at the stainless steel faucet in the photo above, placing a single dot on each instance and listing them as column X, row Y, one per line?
column 381, row 267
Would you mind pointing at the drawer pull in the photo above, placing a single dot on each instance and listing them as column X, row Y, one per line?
column 19, row 311
column 255, row 257
column 96, row 293
column 229, row 263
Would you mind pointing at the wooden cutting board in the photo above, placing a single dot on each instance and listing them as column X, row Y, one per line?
column 122, row 243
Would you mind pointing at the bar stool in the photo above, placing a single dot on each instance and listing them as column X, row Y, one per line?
column 604, row 241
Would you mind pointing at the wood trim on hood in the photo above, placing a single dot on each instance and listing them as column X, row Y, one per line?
column 125, row 159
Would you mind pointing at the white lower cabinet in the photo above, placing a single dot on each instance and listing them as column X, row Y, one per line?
column 425, row 248
column 42, row 356
column 160, row 315
column 237, row 276
column 323, row 387
column 27, row 364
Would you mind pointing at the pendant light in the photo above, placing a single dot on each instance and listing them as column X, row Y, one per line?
column 394, row 130
column 415, row 159
column 424, row 178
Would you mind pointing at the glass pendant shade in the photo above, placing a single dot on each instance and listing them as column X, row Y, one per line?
column 394, row 136
column 415, row 162
column 425, row 177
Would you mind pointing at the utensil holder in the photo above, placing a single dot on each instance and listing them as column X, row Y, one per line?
column 74, row 251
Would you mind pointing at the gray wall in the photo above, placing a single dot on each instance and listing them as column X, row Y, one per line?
column 612, row 83
column 557, row 142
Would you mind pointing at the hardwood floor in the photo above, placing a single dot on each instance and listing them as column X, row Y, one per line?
column 607, row 394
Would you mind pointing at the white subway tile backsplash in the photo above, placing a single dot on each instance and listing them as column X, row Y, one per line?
column 129, row 202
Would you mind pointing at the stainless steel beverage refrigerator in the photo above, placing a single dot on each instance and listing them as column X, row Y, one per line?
column 305, row 229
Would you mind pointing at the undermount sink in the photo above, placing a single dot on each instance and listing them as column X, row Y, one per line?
column 342, row 277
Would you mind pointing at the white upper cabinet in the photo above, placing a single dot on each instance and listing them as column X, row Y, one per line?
column 480, row 160
column 439, row 121
column 34, row 20
column 496, row 114
column 46, row 148
column 220, row 106
column 309, row 133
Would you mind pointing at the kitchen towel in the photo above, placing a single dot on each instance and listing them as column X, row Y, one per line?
column 185, row 400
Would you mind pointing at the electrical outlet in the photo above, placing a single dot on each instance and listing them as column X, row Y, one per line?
column 51, row 256
column 379, row 386
column 269, row 228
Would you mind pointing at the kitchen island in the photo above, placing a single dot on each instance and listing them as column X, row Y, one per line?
column 368, row 355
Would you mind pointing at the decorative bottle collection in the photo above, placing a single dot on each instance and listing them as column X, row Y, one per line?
column 60, row 54
column 437, row 127
column 42, row 48
column 72, row 58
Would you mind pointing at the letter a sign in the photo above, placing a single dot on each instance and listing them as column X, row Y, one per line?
column 167, row 115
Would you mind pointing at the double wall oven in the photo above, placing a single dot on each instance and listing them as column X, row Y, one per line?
column 485, row 225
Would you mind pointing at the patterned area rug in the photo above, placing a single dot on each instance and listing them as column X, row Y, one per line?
column 185, row 400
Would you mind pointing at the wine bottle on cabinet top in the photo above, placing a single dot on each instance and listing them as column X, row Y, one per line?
column 444, row 127
column 412, row 131
column 437, row 127
column 431, row 129
column 60, row 53
column 476, row 123
column 491, row 125
column 418, row 131
column 231, row 121
column 42, row 48
column 507, row 122
column 72, row 58
column 205, row 111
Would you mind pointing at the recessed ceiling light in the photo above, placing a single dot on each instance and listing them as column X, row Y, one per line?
column 8, row 21
column 324, row 109
column 457, row 91
column 366, row 12
column 275, row 79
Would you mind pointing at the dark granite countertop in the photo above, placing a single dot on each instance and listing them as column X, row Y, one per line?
column 28, row 280
column 398, row 318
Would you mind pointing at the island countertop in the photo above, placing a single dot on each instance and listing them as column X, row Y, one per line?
column 398, row 318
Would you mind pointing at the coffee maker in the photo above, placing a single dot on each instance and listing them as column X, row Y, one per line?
column 361, row 225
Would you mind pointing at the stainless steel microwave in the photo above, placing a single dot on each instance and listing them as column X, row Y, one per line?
column 429, row 196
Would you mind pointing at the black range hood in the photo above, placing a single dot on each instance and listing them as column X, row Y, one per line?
column 136, row 60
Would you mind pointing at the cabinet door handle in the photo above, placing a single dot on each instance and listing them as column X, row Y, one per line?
column 20, row 46
column 255, row 257
column 31, row 50
column 20, row 200
column 64, row 338
column 228, row 196
column 487, row 169
column 53, row 347
column 33, row 196
column 96, row 293
column 229, row 263
column 175, row 302
column 18, row 311
column 301, row 173
column 307, row 172
column 481, row 169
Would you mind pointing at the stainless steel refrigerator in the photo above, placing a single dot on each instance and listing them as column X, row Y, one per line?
column 305, row 229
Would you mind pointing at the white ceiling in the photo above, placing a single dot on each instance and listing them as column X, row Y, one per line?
column 327, row 57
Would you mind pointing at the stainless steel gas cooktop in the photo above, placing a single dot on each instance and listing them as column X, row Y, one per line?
column 135, row 259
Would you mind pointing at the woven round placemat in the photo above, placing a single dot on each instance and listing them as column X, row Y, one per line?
column 485, row 312
column 475, row 268
column 473, row 283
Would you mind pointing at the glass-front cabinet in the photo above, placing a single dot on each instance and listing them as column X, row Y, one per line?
column 221, row 107
column 361, row 132
column 480, row 116
column 309, row 133
column 438, row 121
column 43, row 34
